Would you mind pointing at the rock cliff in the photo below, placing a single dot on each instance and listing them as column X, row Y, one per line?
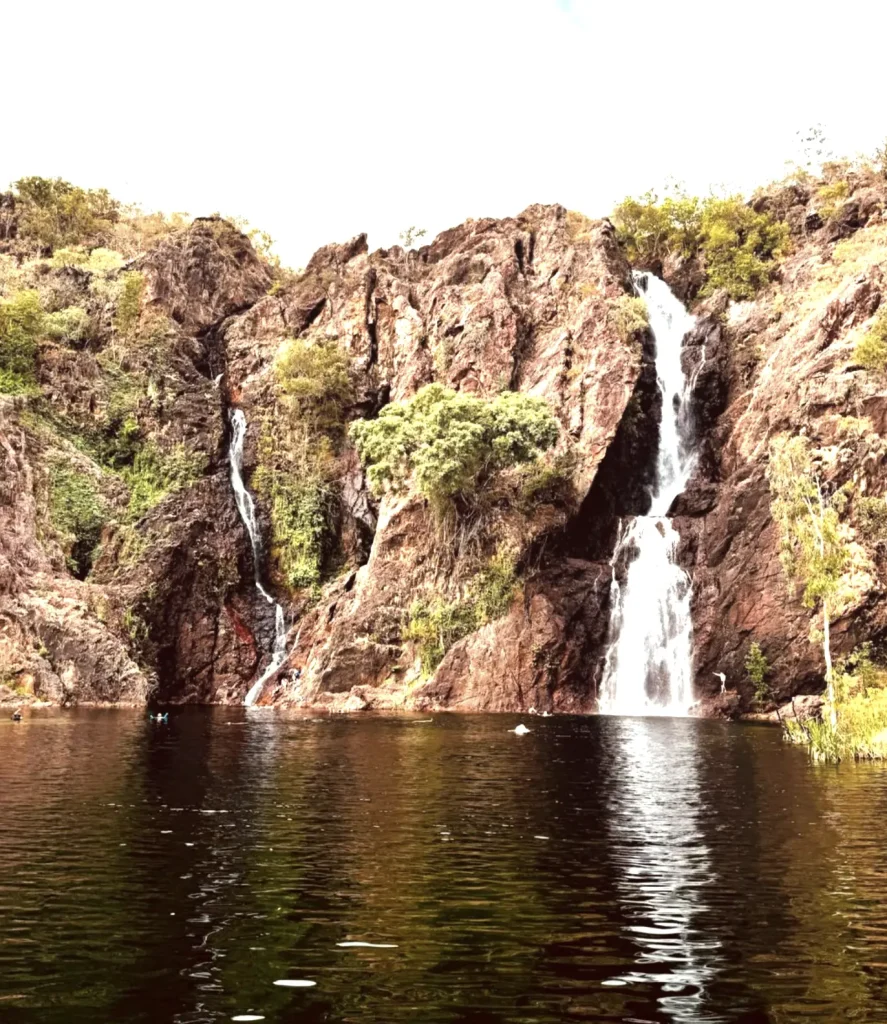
column 164, row 605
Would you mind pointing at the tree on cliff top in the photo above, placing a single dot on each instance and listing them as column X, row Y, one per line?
column 813, row 550
column 448, row 443
column 53, row 212
column 739, row 246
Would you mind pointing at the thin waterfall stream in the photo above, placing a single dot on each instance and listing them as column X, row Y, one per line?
column 247, row 509
column 648, row 668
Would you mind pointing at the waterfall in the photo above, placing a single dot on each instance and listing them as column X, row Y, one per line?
column 247, row 509
column 648, row 666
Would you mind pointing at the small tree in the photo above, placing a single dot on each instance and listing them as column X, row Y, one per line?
column 411, row 235
column 813, row 550
column 757, row 667
column 448, row 443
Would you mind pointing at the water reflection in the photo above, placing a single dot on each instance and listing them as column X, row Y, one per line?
column 663, row 864
column 597, row 869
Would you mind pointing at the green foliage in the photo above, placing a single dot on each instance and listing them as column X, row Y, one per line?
column 295, row 477
column 315, row 376
column 830, row 196
column 547, row 479
column 70, row 325
column 157, row 473
column 129, row 303
column 434, row 626
column 21, row 325
column 756, row 668
column 871, row 516
column 494, row 588
column 858, row 728
column 411, row 235
column 650, row 230
column 739, row 246
column 53, row 212
column 628, row 314
column 871, row 349
column 447, row 443
column 813, row 548
column 77, row 513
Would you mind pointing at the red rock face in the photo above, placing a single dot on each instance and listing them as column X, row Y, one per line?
column 522, row 303
column 784, row 363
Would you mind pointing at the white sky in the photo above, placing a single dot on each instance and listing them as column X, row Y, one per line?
column 320, row 120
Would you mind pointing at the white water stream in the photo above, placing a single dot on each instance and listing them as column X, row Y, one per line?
column 247, row 509
column 648, row 668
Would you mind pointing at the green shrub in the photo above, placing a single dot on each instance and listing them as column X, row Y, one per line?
column 21, row 325
column 830, row 197
column 300, row 514
column 53, row 212
column 859, row 729
column 157, row 473
column 447, row 443
column 129, row 303
column 315, row 376
column 739, row 246
column 295, row 477
column 628, row 314
column 871, row 349
column 871, row 517
column 70, row 325
column 434, row 626
column 756, row 668
column 546, row 480
column 77, row 512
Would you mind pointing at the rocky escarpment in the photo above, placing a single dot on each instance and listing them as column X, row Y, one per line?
column 166, row 604
column 784, row 363
column 135, row 415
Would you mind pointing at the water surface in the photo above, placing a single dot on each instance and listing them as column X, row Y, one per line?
column 598, row 869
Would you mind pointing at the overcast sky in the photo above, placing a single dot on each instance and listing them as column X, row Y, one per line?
column 320, row 120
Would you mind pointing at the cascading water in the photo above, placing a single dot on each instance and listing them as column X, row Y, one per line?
column 648, row 666
column 247, row 509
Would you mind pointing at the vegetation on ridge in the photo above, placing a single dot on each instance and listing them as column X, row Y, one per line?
column 738, row 246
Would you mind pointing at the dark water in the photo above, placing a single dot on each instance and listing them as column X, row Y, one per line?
column 594, row 870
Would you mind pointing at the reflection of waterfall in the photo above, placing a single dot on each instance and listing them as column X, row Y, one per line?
column 663, row 864
column 648, row 667
column 247, row 509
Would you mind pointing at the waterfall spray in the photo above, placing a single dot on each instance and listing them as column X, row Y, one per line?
column 648, row 665
column 247, row 509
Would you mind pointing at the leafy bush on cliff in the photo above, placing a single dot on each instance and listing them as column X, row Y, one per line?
column 756, row 668
column 871, row 349
column 315, row 376
column 628, row 314
column 129, row 303
column 70, row 325
column 295, row 477
column 157, row 472
column 77, row 513
column 871, row 517
column 448, row 443
column 739, row 247
column 21, row 325
column 297, row 467
column 434, row 626
column 54, row 213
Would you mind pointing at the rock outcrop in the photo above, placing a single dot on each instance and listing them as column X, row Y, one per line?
column 167, row 607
